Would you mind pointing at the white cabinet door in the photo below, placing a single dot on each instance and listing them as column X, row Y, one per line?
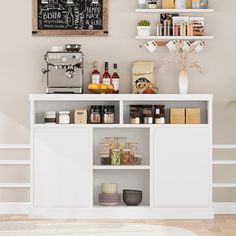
column 62, row 167
column 182, row 167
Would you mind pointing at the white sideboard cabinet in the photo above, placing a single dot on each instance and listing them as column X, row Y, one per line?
column 175, row 175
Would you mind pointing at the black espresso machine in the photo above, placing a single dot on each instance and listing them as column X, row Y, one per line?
column 65, row 69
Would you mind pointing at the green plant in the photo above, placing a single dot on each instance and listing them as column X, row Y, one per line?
column 144, row 23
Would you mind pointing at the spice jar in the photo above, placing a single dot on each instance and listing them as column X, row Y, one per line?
column 96, row 114
column 108, row 114
column 104, row 148
column 64, row 117
column 137, row 159
column 133, row 147
column 115, row 157
column 127, row 157
column 104, row 159
column 50, row 117
column 159, row 114
column 147, row 114
column 135, row 114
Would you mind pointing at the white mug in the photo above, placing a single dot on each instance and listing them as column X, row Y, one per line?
column 172, row 45
column 151, row 46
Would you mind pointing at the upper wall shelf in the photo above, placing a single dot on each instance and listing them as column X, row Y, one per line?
column 174, row 10
column 164, row 38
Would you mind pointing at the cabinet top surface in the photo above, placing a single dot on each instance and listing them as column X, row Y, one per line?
column 120, row 97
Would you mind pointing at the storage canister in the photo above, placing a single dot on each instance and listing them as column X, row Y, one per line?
column 64, row 117
column 148, row 114
column 95, row 114
column 108, row 114
column 137, row 159
column 135, row 114
column 127, row 157
column 115, row 157
column 104, row 159
column 50, row 117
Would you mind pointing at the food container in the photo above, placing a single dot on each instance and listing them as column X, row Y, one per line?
column 108, row 114
column 111, row 141
column 133, row 147
column 147, row 114
column 95, row 114
column 80, row 116
column 159, row 113
column 104, row 148
column 115, row 157
column 105, row 159
column 137, row 159
column 127, row 157
column 135, row 114
column 152, row 4
column 64, row 117
column 193, row 116
column 177, row 116
column 121, row 143
column 109, row 188
column 50, row 117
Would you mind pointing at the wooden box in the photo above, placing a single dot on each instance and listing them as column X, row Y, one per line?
column 177, row 116
column 168, row 4
column 193, row 116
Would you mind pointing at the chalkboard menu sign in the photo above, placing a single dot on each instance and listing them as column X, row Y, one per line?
column 70, row 17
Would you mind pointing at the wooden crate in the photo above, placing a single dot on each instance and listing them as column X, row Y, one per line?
column 177, row 115
column 193, row 116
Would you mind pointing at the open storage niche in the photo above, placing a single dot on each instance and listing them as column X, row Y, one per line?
column 14, row 174
column 14, row 195
column 168, row 104
column 138, row 135
column 126, row 179
column 43, row 106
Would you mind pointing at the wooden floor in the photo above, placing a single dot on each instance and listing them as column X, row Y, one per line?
column 223, row 225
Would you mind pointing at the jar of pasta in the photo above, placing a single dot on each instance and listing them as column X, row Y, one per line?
column 127, row 157
column 115, row 157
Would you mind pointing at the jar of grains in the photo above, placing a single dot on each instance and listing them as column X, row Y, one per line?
column 127, row 157
column 108, row 114
column 96, row 114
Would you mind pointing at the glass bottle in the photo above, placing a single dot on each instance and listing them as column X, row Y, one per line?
column 115, row 79
column 96, row 76
column 106, row 78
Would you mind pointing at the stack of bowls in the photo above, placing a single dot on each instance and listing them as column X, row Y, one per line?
column 109, row 195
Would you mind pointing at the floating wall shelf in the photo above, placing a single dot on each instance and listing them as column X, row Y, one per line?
column 174, row 10
column 167, row 38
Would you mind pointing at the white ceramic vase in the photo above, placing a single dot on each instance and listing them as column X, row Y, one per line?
column 183, row 82
column 144, row 31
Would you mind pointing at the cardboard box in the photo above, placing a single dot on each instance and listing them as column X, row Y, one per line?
column 189, row 4
column 177, row 116
column 193, row 116
column 168, row 4
column 80, row 116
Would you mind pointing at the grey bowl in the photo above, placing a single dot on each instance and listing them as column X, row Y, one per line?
column 132, row 197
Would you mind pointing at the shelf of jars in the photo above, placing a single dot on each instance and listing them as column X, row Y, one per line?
column 161, row 10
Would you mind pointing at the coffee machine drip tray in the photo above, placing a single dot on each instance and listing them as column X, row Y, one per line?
column 68, row 90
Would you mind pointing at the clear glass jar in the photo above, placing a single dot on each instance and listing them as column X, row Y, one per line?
column 104, row 148
column 127, row 157
column 148, row 114
column 50, row 117
column 105, row 159
column 135, row 114
column 96, row 114
column 159, row 112
column 133, row 147
column 115, row 157
column 121, row 143
column 152, row 4
column 137, row 159
column 108, row 114
column 111, row 141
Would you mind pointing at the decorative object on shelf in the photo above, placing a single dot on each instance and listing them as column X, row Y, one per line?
column 159, row 113
column 180, row 4
column 168, row 4
column 166, row 24
column 60, row 17
column 132, row 197
column 144, row 28
column 64, row 117
column 183, row 52
column 204, row 4
column 109, row 188
column 151, row 46
column 152, row 4
column 142, row 4
column 193, row 116
column 177, row 116
column 81, row 116
column 50, row 117
column 143, row 78
column 196, row 4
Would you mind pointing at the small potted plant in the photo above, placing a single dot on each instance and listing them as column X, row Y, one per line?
column 144, row 28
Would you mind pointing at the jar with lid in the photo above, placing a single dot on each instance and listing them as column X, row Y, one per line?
column 159, row 114
column 133, row 147
column 115, row 157
column 64, row 117
column 104, row 148
column 121, row 142
column 50, row 117
column 127, row 157
column 104, row 159
column 96, row 114
column 152, row 4
column 148, row 114
column 108, row 114
column 135, row 114
column 111, row 141
column 137, row 159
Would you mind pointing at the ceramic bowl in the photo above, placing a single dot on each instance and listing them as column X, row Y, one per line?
column 109, row 188
column 109, row 199
column 132, row 197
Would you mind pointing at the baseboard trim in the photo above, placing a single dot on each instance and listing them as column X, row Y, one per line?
column 14, row 208
column 221, row 208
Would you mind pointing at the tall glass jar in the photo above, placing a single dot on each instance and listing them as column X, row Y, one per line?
column 96, row 114
column 135, row 114
column 127, row 157
column 115, row 157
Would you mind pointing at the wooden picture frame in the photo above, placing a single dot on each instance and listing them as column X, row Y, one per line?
column 68, row 32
